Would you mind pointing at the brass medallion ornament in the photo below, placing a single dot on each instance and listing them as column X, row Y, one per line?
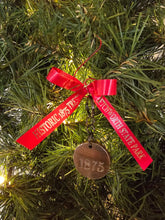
column 91, row 160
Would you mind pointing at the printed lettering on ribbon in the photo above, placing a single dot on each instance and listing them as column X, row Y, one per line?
column 43, row 128
column 126, row 135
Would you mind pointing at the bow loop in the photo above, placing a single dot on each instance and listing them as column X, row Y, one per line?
column 64, row 80
column 98, row 87
column 105, row 87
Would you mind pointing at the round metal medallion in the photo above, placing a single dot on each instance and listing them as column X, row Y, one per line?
column 91, row 160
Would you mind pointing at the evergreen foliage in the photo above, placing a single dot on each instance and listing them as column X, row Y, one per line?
column 37, row 35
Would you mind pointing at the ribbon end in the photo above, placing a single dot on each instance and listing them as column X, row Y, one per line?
column 146, row 163
column 27, row 144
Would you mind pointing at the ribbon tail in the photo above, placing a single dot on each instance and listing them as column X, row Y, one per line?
column 126, row 135
column 47, row 125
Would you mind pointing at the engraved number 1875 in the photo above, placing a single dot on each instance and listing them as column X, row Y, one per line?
column 92, row 165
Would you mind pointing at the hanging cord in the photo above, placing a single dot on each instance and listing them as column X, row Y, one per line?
column 90, row 119
column 90, row 55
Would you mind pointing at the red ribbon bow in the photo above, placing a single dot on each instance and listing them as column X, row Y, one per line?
column 98, row 89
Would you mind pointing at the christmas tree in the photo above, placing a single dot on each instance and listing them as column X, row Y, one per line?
column 38, row 35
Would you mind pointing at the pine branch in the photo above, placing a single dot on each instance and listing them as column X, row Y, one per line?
column 36, row 35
